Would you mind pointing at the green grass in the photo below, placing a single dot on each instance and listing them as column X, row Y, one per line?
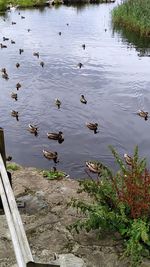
column 133, row 15
column 21, row 3
column 12, row 166
column 54, row 175
column 3, row 5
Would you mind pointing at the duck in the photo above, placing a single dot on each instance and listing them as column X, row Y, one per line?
column 13, row 23
column 36, row 54
column 18, row 86
column 128, row 159
column 94, row 167
column 143, row 114
column 5, row 39
column 59, row 33
column 80, row 65
column 33, row 129
column 50, row 155
column 83, row 100
column 15, row 114
column 14, row 95
column 56, row 136
column 3, row 70
column 42, row 64
column 5, row 76
column 57, row 103
column 92, row 126
column 17, row 65
column 22, row 17
column 3, row 46
column 28, row 30
column 21, row 51
column 83, row 46
column 67, row 24
column 12, row 42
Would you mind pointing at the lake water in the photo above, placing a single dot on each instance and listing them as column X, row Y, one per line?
column 115, row 80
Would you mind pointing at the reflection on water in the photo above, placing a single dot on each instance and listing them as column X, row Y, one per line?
column 113, row 79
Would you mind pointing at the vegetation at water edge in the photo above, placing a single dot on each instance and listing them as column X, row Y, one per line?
column 120, row 203
column 133, row 15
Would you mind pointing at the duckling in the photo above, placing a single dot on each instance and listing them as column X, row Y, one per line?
column 22, row 17
column 5, row 76
column 33, row 129
column 13, row 23
column 3, row 46
column 18, row 86
column 128, row 159
column 92, row 126
column 14, row 95
column 5, row 39
column 143, row 114
column 57, row 103
column 17, row 65
column 51, row 155
column 83, row 100
column 83, row 46
column 59, row 33
column 36, row 54
column 12, row 42
column 42, row 64
column 21, row 51
column 15, row 114
column 56, row 136
column 80, row 65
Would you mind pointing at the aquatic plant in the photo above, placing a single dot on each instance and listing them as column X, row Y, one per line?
column 12, row 166
column 120, row 202
column 133, row 15
column 54, row 175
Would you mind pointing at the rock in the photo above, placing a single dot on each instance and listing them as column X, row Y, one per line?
column 69, row 260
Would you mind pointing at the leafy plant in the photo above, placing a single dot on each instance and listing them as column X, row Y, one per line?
column 120, row 202
column 54, row 175
column 12, row 166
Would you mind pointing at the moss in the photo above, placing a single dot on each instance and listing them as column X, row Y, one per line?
column 12, row 166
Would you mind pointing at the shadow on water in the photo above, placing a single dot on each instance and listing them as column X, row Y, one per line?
column 141, row 44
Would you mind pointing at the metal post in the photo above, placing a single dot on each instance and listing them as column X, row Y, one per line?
column 2, row 145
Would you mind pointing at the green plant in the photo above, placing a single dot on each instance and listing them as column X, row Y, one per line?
column 54, row 175
column 12, row 166
column 3, row 5
column 120, row 202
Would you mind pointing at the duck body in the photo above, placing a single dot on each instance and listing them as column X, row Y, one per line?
column 57, row 103
column 80, row 65
column 5, row 39
column 83, row 100
column 128, row 159
column 92, row 126
column 15, row 114
column 21, row 51
column 95, row 167
column 14, row 95
column 56, row 136
column 50, row 155
column 143, row 114
column 36, row 54
column 12, row 42
column 83, row 46
column 17, row 65
column 3, row 46
column 42, row 64
column 32, row 129
column 18, row 86
column 5, row 76
column 13, row 23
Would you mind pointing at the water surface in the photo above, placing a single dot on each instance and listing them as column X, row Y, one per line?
column 115, row 81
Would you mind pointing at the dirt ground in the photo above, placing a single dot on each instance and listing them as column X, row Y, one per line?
column 45, row 218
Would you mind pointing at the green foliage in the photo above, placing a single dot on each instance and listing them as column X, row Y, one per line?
column 12, row 166
column 3, row 5
column 133, row 15
column 120, row 202
column 54, row 175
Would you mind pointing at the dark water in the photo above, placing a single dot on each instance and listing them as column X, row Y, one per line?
column 114, row 79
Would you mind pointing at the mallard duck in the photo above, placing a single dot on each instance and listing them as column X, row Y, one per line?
column 59, row 33
column 92, row 126
column 17, row 65
column 80, row 65
column 12, row 42
column 22, row 17
column 28, row 30
column 36, row 54
column 14, row 95
column 42, row 64
column 83, row 100
column 33, row 129
column 93, row 167
column 3, row 46
column 18, row 86
column 143, row 114
column 5, row 76
column 67, row 24
column 56, row 136
column 3, row 70
column 13, row 23
column 128, row 159
column 21, row 51
column 83, row 46
column 51, row 155
column 15, row 114
column 5, row 39
column 57, row 103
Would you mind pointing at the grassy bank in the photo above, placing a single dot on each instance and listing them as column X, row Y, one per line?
column 21, row 3
column 133, row 15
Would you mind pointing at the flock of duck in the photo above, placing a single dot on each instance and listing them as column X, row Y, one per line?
column 33, row 129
